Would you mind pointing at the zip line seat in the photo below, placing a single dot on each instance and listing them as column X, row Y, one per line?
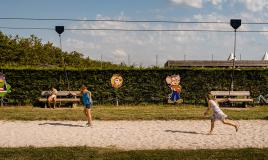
column 233, row 97
column 63, row 97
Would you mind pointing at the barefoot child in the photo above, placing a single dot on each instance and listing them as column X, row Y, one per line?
column 87, row 102
column 217, row 114
column 53, row 96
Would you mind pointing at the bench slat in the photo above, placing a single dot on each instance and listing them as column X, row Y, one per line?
column 61, row 93
column 234, row 100
column 67, row 100
column 230, row 93
column 61, row 100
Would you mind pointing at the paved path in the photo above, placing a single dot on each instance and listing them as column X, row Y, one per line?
column 186, row 134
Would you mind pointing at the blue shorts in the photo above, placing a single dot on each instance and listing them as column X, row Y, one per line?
column 88, row 106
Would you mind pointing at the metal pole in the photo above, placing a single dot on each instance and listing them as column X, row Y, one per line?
column 117, row 103
column 156, row 60
column 60, row 42
column 101, row 61
column 232, row 84
column 128, row 60
column 64, row 66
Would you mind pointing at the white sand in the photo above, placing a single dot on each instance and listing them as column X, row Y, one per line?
column 128, row 135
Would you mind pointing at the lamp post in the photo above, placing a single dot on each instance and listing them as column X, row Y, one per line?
column 235, row 23
column 60, row 30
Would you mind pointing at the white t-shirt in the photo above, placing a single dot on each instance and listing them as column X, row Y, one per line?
column 54, row 92
column 215, row 107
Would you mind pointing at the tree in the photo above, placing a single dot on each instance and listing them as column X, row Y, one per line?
column 17, row 51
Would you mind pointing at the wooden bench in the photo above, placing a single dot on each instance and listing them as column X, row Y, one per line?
column 72, row 97
column 233, row 96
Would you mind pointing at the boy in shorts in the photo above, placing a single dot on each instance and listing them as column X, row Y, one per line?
column 217, row 114
column 87, row 102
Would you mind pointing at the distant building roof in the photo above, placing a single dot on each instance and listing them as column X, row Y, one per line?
column 221, row 64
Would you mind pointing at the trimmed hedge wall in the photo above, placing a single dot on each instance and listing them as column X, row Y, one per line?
column 139, row 86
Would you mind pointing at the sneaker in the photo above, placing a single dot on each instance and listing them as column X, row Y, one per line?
column 170, row 101
column 179, row 101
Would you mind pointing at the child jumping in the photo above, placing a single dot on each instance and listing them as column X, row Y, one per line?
column 87, row 102
column 217, row 114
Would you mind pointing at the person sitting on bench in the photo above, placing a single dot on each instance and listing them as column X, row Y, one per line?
column 52, row 97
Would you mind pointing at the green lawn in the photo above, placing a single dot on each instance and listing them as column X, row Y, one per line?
column 150, row 112
column 83, row 153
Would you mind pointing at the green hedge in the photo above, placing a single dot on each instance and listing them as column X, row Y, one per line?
column 140, row 85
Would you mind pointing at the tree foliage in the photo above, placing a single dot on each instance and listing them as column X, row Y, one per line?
column 17, row 51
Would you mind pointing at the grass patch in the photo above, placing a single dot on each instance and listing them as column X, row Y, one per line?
column 83, row 153
column 150, row 112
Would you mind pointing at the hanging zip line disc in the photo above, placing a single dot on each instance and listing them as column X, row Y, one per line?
column 235, row 23
column 59, row 29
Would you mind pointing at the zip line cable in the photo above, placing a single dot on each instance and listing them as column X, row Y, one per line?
column 27, row 28
column 126, row 21
column 130, row 30
column 109, row 20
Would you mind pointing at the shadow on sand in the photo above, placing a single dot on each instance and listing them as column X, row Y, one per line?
column 189, row 132
column 61, row 124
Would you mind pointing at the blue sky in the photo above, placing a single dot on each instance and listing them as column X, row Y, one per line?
column 141, row 48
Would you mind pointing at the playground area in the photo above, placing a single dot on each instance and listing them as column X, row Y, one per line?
column 129, row 132
column 134, row 135
column 129, row 116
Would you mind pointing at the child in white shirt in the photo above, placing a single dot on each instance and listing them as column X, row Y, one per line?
column 217, row 114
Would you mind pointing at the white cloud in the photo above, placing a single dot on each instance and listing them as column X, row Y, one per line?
column 191, row 3
column 255, row 5
column 215, row 2
column 252, row 5
column 142, row 47
column 119, row 55
column 195, row 3
column 80, row 44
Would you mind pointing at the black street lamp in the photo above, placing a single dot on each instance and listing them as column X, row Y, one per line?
column 235, row 23
column 60, row 30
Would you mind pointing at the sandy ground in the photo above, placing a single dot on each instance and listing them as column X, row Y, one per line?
column 128, row 135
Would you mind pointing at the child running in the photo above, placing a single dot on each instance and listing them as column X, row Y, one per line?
column 87, row 102
column 217, row 114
